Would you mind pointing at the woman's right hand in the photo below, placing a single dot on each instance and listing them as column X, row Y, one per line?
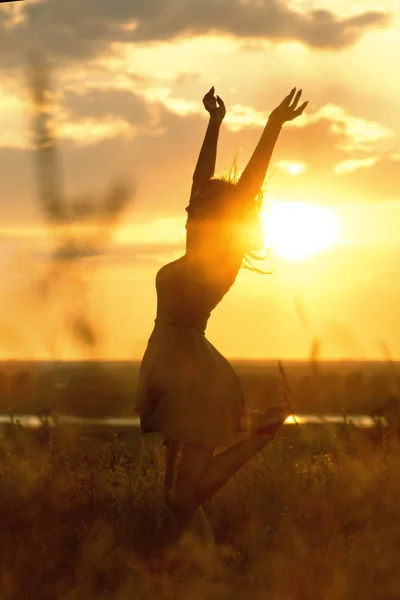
column 214, row 105
column 287, row 110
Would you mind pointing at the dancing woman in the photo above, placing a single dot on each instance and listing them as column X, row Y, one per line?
column 187, row 390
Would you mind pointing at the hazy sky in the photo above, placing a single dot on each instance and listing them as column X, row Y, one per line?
column 128, row 77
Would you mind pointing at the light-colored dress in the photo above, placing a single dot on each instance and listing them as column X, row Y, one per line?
column 187, row 390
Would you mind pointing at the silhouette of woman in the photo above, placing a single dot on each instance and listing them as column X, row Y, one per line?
column 187, row 390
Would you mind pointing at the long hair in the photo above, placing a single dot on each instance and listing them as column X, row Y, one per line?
column 255, row 220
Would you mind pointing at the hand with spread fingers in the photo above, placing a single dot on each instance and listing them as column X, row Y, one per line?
column 288, row 109
column 214, row 105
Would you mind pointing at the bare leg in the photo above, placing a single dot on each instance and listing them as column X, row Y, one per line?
column 193, row 476
column 185, row 465
column 201, row 528
column 226, row 464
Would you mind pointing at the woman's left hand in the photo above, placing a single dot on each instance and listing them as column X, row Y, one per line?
column 288, row 110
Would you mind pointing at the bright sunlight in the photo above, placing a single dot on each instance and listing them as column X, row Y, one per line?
column 297, row 230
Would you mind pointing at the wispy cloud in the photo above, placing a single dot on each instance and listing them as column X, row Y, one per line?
column 348, row 166
column 92, row 131
column 359, row 132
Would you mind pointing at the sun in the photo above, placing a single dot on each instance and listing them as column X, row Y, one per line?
column 297, row 230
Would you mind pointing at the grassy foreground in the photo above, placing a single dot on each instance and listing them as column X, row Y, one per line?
column 82, row 518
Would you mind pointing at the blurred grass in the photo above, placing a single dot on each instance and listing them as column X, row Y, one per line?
column 314, row 517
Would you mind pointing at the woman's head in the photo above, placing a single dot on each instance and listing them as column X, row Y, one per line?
column 217, row 212
column 210, row 199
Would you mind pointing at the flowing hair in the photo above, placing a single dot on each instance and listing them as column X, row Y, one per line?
column 258, row 204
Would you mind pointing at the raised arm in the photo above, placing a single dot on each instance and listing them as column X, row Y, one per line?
column 205, row 166
column 254, row 174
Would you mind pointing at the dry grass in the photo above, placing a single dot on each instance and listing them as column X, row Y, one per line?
column 84, row 518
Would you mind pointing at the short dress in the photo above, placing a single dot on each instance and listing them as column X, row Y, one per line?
column 186, row 389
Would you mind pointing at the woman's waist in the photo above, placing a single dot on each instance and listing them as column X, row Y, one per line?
column 197, row 323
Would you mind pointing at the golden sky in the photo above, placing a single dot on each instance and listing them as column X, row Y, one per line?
column 128, row 78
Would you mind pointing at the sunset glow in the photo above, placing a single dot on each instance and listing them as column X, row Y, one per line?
column 126, row 102
column 297, row 231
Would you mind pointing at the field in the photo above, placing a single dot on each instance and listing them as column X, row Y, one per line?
column 95, row 389
column 313, row 516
